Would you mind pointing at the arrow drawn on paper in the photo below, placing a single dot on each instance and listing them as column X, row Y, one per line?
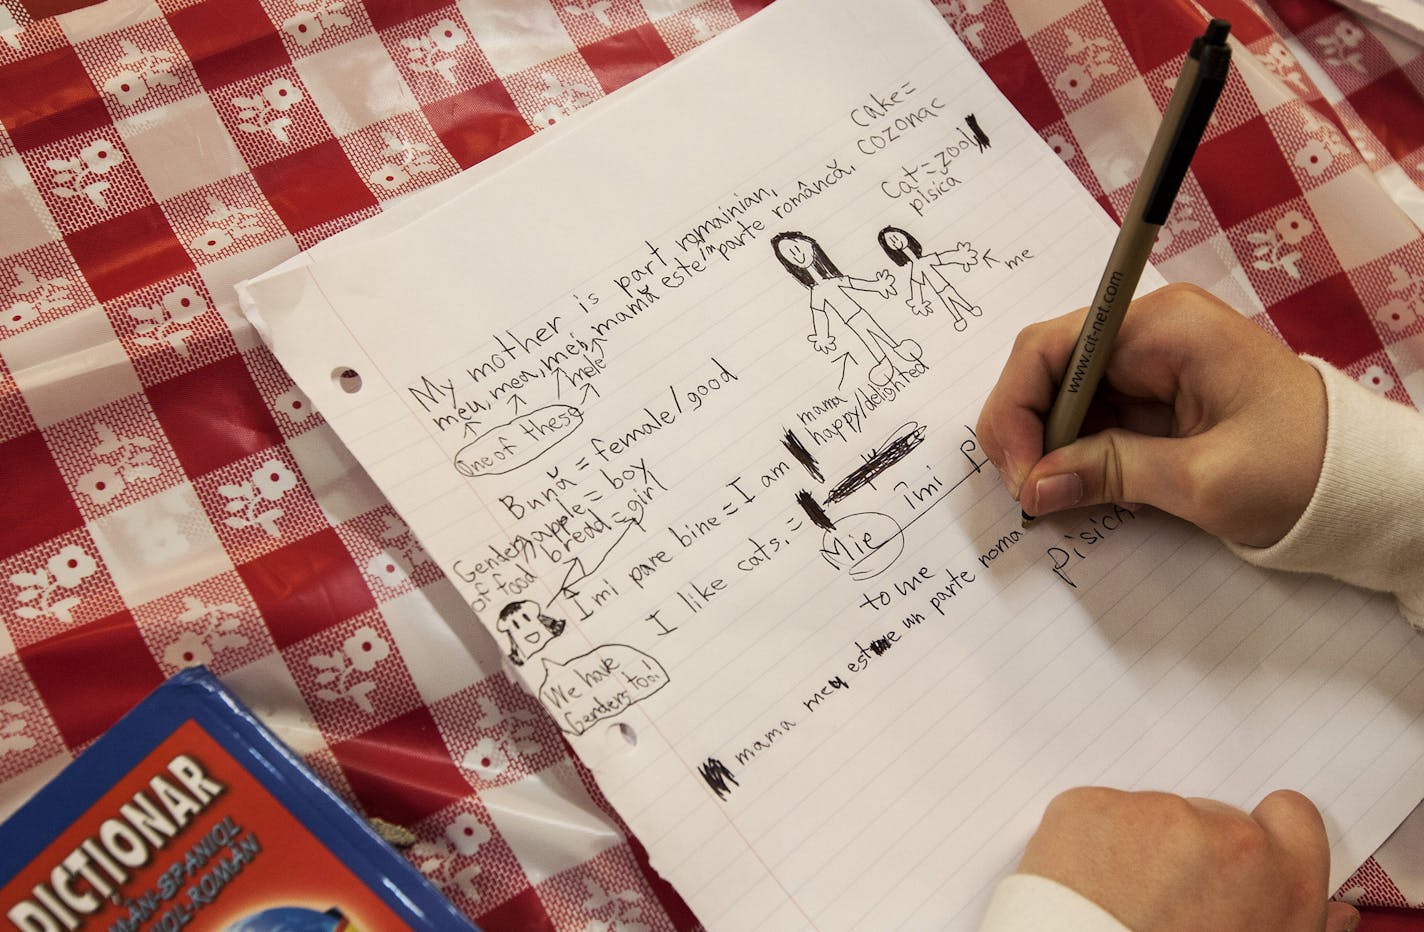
column 846, row 360
column 576, row 573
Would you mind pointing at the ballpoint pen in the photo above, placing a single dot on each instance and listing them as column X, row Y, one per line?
column 1198, row 86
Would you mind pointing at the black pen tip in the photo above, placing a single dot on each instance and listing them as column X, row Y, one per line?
column 1216, row 32
column 1025, row 519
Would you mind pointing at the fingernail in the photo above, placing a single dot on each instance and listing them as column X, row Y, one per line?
column 1352, row 923
column 1009, row 472
column 1056, row 493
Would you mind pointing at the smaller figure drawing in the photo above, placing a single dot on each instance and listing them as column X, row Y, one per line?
column 831, row 290
column 529, row 630
column 926, row 276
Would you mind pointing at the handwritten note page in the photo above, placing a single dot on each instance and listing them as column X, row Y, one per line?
column 683, row 401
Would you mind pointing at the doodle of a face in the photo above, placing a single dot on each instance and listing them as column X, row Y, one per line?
column 526, row 632
column 895, row 239
column 797, row 251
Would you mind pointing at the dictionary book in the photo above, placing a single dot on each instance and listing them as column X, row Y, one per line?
column 190, row 814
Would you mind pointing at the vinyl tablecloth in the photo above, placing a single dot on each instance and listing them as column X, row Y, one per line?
column 168, row 497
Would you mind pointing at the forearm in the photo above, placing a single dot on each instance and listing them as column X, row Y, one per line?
column 820, row 325
column 1365, row 523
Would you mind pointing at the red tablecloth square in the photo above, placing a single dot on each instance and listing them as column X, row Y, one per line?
column 1304, row 323
column 313, row 186
column 69, row 103
column 214, row 622
column 745, row 8
column 188, row 405
column 15, row 418
column 306, row 587
column 222, row 220
column 1156, row 41
column 1016, row 72
column 228, row 40
column 625, row 56
column 1247, row 24
column 150, row 254
column 524, row 912
column 476, row 124
column 81, row 674
column 1383, row 919
column 401, row 771
column 1218, row 166
column 387, row 13
column 37, row 504
column 1301, row 14
column 1387, row 95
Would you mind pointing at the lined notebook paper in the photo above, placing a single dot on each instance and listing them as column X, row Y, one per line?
column 698, row 450
column 1405, row 17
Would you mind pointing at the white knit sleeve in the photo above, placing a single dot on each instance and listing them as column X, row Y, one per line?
column 1365, row 523
column 1029, row 903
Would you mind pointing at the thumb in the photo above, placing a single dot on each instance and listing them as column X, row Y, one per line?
column 1112, row 466
column 1341, row 917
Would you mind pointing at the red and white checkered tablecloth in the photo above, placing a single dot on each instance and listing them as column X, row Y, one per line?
column 168, row 497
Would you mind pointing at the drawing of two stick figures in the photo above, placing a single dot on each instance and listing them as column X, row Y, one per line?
column 831, row 290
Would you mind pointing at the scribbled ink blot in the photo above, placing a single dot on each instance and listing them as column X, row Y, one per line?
column 521, row 441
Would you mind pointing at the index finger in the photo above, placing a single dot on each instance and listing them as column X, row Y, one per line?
column 1010, row 426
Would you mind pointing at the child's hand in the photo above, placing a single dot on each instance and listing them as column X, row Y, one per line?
column 1161, row 863
column 1201, row 413
column 885, row 283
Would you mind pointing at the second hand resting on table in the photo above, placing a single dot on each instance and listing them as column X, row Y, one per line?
column 1206, row 416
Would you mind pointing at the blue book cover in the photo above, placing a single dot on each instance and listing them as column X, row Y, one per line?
column 190, row 814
